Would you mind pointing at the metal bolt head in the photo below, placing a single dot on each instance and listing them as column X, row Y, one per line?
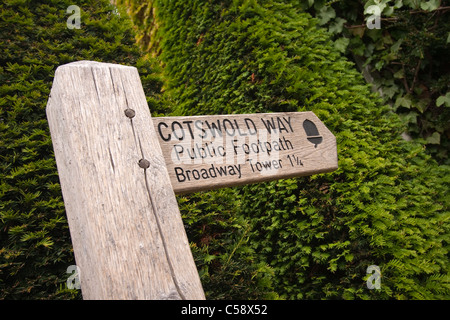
column 130, row 113
column 144, row 163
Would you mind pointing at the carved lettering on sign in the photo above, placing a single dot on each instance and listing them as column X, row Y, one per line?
column 207, row 152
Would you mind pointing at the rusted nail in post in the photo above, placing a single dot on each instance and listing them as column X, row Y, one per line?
column 130, row 113
column 144, row 163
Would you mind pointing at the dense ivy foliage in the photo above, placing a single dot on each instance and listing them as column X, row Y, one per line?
column 405, row 57
column 314, row 237
column 35, row 246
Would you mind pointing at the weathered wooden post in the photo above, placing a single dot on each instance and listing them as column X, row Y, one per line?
column 128, row 236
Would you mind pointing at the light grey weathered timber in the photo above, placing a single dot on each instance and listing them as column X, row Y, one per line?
column 128, row 236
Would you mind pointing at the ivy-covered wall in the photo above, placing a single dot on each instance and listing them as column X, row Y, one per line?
column 35, row 246
column 386, row 205
column 404, row 56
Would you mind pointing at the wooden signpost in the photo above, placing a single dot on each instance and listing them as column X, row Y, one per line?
column 207, row 152
column 120, row 168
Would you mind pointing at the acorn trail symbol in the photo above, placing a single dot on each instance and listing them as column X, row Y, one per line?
column 312, row 133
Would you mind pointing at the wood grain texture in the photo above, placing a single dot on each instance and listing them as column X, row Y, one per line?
column 215, row 151
column 126, row 228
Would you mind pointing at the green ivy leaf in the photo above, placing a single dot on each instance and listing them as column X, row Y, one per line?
column 430, row 5
column 341, row 44
column 398, row 4
column 399, row 74
column 435, row 138
column 396, row 46
column 402, row 101
column 410, row 117
column 326, row 14
column 379, row 65
column 443, row 100
column 337, row 26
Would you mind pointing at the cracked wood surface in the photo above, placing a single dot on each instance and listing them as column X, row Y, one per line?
column 128, row 236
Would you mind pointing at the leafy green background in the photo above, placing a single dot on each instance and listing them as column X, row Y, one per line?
column 406, row 59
